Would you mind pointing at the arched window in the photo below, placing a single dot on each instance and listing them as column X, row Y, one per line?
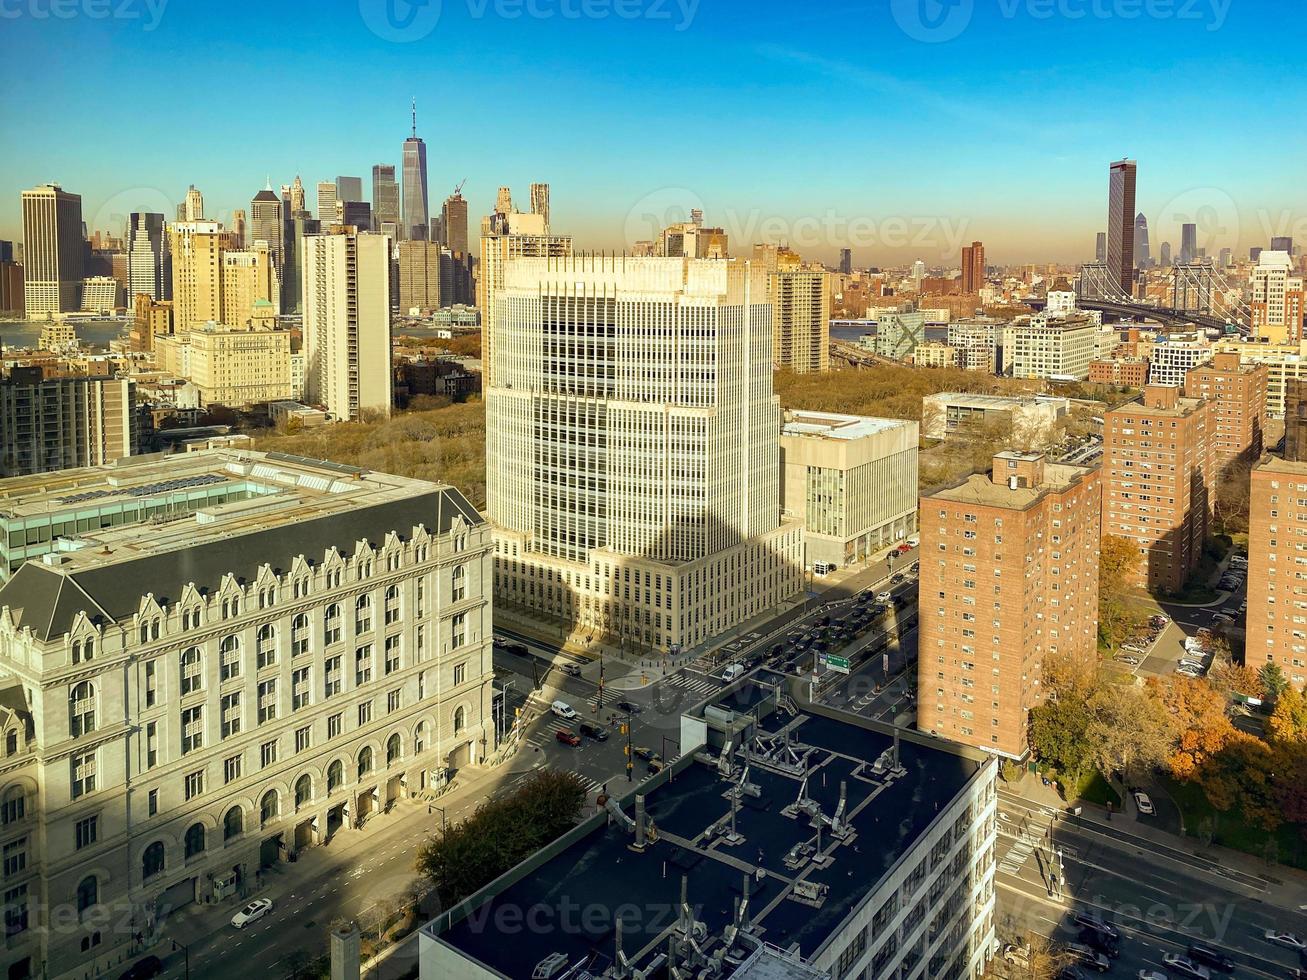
column 194, row 840
column 335, row 776
column 266, row 645
column 11, row 742
column 460, row 719
column 363, row 613
column 152, row 860
column 365, row 761
column 229, row 657
column 299, row 635
column 13, row 806
column 145, row 632
column 88, row 894
column 77, row 651
column 192, row 670
column 88, row 648
column 331, row 624
column 303, row 791
column 269, row 808
column 81, row 709
column 419, row 737
column 459, row 584
column 392, row 604
column 154, row 629
column 233, row 823
column 394, row 749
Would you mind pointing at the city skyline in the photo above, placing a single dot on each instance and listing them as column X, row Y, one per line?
column 944, row 125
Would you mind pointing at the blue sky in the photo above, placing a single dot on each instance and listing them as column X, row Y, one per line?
column 897, row 128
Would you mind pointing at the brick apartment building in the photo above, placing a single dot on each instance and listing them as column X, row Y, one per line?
column 1238, row 397
column 1126, row 372
column 1009, row 574
column 1159, row 477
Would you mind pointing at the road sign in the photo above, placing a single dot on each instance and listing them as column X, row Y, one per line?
column 840, row 664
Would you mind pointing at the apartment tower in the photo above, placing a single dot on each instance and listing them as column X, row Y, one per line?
column 1238, row 396
column 973, row 267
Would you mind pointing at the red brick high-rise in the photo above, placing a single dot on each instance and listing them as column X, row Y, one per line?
column 1238, row 397
column 973, row 267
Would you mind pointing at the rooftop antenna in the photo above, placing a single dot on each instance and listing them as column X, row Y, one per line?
column 415, row 117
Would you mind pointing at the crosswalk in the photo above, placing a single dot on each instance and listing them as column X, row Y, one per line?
column 1027, row 839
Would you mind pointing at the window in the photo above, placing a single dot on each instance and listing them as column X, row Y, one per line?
column 194, row 842
column 335, row 776
column 364, row 761
column 458, row 587
column 266, row 646
column 229, row 658
column 83, row 774
column 15, row 910
column 268, row 753
column 460, row 674
column 15, row 857
column 88, row 895
column 365, row 713
column 419, row 737
column 231, row 769
column 192, row 728
column 458, row 631
column 152, row 861
column 233, row 823
column 231, row 714
column 151, row 683
column 460, row 719
column 14, row 806
column 363, row 665
column 363, row 614
column 392, row 654
column 267, row 701
column 87, row 831
column 331, row 676
column 269, row 808
column 300, row 681
column 392, row 605
column 303, row 791
column 81, row 709
column 191, row 671
column 331, row 624
column 394, row 749
column 303, row 738
column 194, row 784
column 334, row 726
column 392, row 701
column 420, row 591
column 299, row 635
column 152, row 803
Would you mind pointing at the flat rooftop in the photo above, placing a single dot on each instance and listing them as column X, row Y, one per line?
column 812, row 754
column 980, row 489
column 828, row 425
column 992, row 402
column 1273, row 463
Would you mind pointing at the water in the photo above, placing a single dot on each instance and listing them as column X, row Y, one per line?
column 94, row 335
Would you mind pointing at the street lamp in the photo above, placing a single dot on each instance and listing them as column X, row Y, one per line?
column 186, row 952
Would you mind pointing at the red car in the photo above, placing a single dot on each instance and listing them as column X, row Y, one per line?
column 903, row 549
column 567, row 737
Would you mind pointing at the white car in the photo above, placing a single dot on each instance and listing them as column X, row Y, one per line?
column 561, row 709
column 253, row 912
column 884, row 597
column 1285, row 939
column 1222, row 618
column 1144, row 804
column 1152, row 975
column 1186, row 967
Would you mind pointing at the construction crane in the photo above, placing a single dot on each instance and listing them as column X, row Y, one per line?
column 459, row 188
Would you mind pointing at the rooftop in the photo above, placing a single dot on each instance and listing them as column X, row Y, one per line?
column 824, row 813
column 993, row 401
column 980, row 488
column 831, row 426
column 1273, row 463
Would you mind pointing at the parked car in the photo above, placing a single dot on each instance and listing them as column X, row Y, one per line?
column 1200, row 953
column 143, row 969
column 571, row 670
column 1152, row 975
column 1159, row 619
column 1092, row 920
column 1144, row 804
column 1223, row 618
column 1070, row 972
column 1186, row 967
column 1101, row 941
column 1016, row 955
column 903, row 549
column 567, row 737
column 1125, row 658
column 1282, row 938
column 1133, row 648
column 561, row 709
column 253, row 912
column 1090, row 957
column 895, row 579
column 496, row 641
column 593, row 731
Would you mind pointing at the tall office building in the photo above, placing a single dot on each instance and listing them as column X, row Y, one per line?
column 266, row 222
column 659, row 478
column 1035, row 524
column 213, row 282
column 1188, row 242
column 299, row 224
column 1282, row 243
column 193, row 696
column 419, row 275
column 11, row 288
column 846, row 261
column 1143, row 257
column 973, row 267
column 149, row 261
column 504, row 200
column 1100, row 247
column 326, row 202
column 1238, row 395
column 1121, row 224
column 239, row 227
column 356, row 213
column 540, row 202
column 453, row 222
column 349, row 189
column 49, row 424
column 385, row 199
column 498, row 249
column 1159, row 479
column 416, row 215
column 347, row 344
column 1165, row 258
column 193, row 206
column 1277, row 298
column 53, row 251
column 296, row 196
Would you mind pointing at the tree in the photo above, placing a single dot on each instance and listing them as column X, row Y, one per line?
column 1130, row 731
column 1057, row 735
column 1232, row 498
column 1118, row 564
column 1242, row 776
column 1273, row 681
column 1199, row 718
column 1288, row 722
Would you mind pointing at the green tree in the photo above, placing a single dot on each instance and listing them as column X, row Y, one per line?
column 1057, row 734
column 1273, row 681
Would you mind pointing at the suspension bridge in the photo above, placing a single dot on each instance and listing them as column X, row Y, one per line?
column 1200, row 295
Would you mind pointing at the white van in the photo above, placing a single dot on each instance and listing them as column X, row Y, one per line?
column 914, row 540
column 732, row 673
column 822, row 568
column 561, row 709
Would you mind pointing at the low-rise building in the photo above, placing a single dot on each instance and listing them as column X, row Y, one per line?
column 934, row 354
column 1124, row 372
column 1175, row 357
column 193, row 693
column 950, row 413
column 1059, row 348
column 850, row 481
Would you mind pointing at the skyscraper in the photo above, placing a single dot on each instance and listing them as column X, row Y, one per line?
column 1277, row 298
column 53, row 250
column 238, row 228
column 658, row 479
column 499, row 247
column 504, row 200
column 149, row 261
column 1188, row 242
column 347, row 323
column 296, row 195
column 349, row 189
column 419, row 276
column 213, row 282
column 453, row 222
column 193, row 206
column 385, row 199
column 1121, row 224
column 846, row 261
column 1165, row 259
column 1282, row 243
column 416, row 218
column 266, row 222
column 326, row 202
column 800, row 302
column 973, row 267
column 1100, row 247
column 1143, row 258
column 540, row 202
